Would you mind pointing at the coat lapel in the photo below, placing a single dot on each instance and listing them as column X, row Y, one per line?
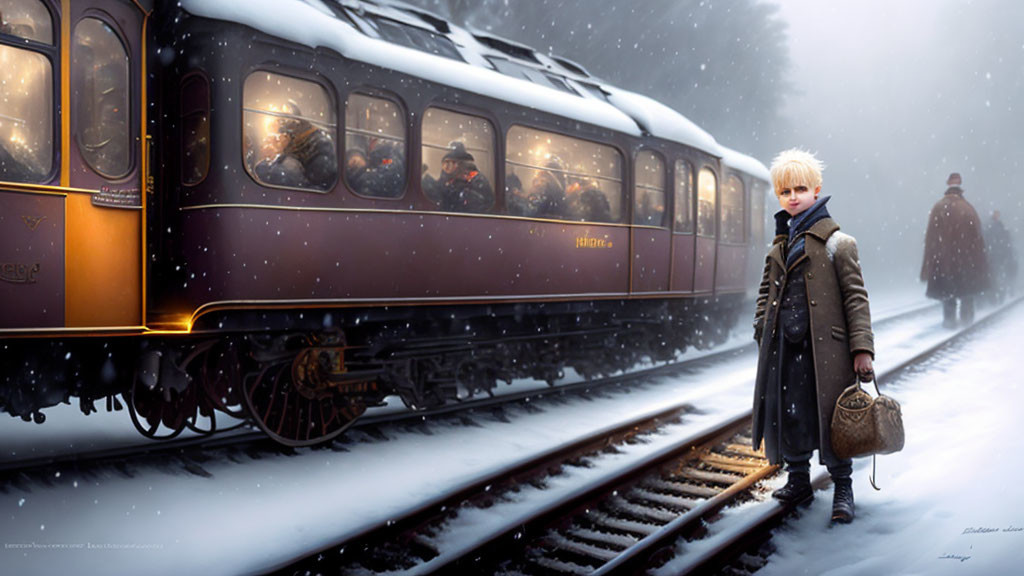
column 776, row 253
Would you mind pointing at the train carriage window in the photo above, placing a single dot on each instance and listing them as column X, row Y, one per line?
column 26, row 115
column 683, row 221
column 549, row 175
column 416, row 38
column 649, row 189
column 374, row 146
column 707, row 186
column 28, row 19
column 732, row 218
column 458, row 153
column 99, row 74
column 517, row 70
column 195, row 128
column 289, row 129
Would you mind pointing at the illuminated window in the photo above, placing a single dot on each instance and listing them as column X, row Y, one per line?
column 195, row 128
column 649, row 191
column 26, row 91
column 549, row 175
column 27, row 19
column 374, row 146
column 707, row 186
column 99, row 75
column 683, row 221
column 458, row 153
column 26, row 115
column 288, row 129
column 731, row 219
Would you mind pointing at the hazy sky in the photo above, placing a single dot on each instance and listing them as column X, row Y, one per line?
column 894, row 95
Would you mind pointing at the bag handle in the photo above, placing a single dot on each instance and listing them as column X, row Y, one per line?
column 874, row 457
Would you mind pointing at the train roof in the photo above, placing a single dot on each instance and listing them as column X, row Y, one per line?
column 323, row 23
column 744, row 163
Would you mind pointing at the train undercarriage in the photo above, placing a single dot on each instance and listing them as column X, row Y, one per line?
column 304, row 376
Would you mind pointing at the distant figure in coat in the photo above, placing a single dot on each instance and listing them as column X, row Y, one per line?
column 1002, row 258
column 954, row 255
column 813, row 328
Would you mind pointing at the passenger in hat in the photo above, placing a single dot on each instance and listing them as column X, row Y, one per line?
column 461, row 187
column 954, row 266
column 298, row 154
column 547, row 189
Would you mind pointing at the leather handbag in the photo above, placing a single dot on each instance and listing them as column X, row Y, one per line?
column 864, row 426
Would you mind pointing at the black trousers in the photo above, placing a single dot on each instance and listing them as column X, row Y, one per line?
column 798, row 432
column 949, row 311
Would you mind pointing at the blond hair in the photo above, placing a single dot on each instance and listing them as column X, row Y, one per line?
column 795, row 167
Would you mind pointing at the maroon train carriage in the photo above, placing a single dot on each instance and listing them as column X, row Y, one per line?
column 342, row 202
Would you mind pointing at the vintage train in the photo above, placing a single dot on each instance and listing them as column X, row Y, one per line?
column 289, row 210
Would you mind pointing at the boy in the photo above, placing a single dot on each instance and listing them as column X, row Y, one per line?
column 813, row 327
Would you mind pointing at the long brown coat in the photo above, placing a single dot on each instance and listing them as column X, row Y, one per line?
column 840, row 324
column 954, row 249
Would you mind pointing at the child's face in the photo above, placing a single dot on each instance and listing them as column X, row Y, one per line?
column 796, row 199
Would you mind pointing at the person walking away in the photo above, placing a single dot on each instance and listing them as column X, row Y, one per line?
column 954, row 264
column 813, row 328
column 1002, row 258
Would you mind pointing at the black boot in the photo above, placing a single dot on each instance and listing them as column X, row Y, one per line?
column 842, row 501
column 797, row 489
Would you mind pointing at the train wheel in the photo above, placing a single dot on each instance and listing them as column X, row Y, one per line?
column 164, row 408
column 159, row 414
column 220, row 375
column 291, row 412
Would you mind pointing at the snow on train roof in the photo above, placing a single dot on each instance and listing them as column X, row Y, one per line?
column 661, row 121
column 744, row 163
column 302, row 23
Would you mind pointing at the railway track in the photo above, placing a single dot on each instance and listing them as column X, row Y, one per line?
column 628, row 519
column 246, row 439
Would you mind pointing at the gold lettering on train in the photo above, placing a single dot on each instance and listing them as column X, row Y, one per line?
column 586, row 241
column 19, row 273
column 32, row 222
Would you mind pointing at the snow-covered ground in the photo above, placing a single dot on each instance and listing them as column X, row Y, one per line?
column 254, row 514
column 950, row 502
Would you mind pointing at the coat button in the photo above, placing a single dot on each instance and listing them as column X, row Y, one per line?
column 814, row 303
column 774, row 302
column 810, row 276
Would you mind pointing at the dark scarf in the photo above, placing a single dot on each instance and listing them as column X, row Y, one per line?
column 797, row 226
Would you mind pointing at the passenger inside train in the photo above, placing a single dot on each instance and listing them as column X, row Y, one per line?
column 517, row 202
column 460, row 187
column 586, row 202
column 547, row 189
column 298, row 154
